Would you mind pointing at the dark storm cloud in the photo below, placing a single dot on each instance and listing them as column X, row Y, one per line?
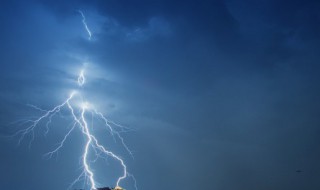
column 224, row 94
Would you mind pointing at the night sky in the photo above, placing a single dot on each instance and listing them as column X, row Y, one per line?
column 219, row 94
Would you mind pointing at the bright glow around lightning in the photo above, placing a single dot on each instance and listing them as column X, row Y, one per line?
column 81, row 78
column 93, row 149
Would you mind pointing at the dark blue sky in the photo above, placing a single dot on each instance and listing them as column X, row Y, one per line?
column 221, row 94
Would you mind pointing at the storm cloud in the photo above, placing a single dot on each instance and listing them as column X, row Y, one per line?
column 221, row 94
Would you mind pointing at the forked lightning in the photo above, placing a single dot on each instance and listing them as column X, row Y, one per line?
column 78, row 109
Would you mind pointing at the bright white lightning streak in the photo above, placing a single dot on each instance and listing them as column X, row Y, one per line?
column 85, row 24
column 91, row 142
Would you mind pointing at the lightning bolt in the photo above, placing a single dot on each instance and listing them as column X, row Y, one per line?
column 84, row 22
column 81, row 78
column 78, row 110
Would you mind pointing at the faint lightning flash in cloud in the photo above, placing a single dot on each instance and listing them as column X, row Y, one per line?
column 85, row 24
column 81, row 78
column 78, row 109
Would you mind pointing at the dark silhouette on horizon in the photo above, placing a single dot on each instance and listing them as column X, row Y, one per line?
column 103, row 188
